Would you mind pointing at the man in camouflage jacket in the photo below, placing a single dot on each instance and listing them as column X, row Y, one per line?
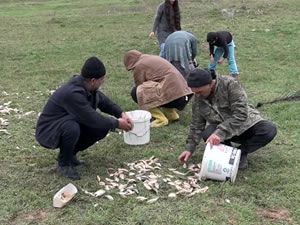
column 221, row 114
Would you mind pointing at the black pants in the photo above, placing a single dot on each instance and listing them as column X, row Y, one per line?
column 75, row 138
column 179, row 103
column 252, row 139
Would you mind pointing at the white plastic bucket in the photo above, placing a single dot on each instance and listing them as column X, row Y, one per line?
column 221, row 162
column 140, row 134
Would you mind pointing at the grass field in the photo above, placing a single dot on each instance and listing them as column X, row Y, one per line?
column 44, row 42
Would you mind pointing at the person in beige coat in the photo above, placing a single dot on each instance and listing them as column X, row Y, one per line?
column 159, row 87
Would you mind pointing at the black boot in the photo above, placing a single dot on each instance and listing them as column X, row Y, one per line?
column 68, row 172
column 243, row 162
column 76, row 162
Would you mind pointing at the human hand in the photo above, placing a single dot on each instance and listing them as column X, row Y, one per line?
column 184, row 157
column 151, row 35
column 128, row 119
column 212, row 59
column 221, row 61
column 124, row 125
column 213, row 140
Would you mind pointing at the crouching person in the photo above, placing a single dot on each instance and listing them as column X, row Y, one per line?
column 159, row 87
column 221, row 114
column 69, row 120
column 181, row 51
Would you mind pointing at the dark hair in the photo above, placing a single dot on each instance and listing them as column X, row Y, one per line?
column 176, row 12
column 211, row 36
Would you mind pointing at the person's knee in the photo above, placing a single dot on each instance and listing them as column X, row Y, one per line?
column 208, row 131
column 271, row 132
column 71, row 129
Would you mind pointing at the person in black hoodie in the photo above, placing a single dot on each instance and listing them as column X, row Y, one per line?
column 69, row 120
column 222, row 44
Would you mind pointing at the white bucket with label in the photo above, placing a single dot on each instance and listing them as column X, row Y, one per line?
column 221, row 162
column 140, row 134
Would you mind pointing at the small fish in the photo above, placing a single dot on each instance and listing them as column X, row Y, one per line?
column 147, row 186
column 152, row 200
column 101, row 183
column 99, row 193
column 89, row 193
column 109, row 197
column 141, row 198
column 172, row 195
column 178, row 173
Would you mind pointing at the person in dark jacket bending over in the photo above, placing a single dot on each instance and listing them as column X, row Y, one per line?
column 69, row 120
column 222, row 44
column 221, row 114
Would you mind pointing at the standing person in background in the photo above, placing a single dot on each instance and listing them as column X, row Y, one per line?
column 167, row 21
column 222, row 44
column 159, row 87
column 70, row 122
column 181, row 50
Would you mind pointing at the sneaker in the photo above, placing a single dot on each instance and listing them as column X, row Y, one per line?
column 236, row 76
column 243, row 162
column 68, row 172
column 76, row 162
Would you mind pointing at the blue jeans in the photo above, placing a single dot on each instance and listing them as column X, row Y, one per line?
column 219, row 51
column 162, row 50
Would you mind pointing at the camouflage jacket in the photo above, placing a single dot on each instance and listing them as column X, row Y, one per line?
column 228, row 107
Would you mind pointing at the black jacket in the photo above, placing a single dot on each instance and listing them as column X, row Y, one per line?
column 222, row 40
column 73, row 101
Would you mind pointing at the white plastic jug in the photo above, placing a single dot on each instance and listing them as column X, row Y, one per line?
column 64, row 195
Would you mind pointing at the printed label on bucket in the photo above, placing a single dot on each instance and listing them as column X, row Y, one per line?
column 232, row 156
column 214, row 167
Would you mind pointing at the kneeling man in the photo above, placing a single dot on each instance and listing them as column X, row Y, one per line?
column 221, row 114
column 70, row 122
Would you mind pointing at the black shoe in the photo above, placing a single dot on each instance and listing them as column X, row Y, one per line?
column 68, row 172
column 243, row 162
column 77, row 162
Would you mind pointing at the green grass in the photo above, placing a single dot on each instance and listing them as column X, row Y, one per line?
column 44, row 42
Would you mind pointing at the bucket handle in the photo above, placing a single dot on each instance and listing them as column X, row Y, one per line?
column 141, row 135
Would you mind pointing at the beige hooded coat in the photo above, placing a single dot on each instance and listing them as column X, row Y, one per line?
column 158, row 81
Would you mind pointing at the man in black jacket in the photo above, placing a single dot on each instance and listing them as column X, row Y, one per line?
column 222, row 44
column 69, row 120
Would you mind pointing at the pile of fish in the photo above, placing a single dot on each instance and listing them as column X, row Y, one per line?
column 5, row 109
column 147, row 174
